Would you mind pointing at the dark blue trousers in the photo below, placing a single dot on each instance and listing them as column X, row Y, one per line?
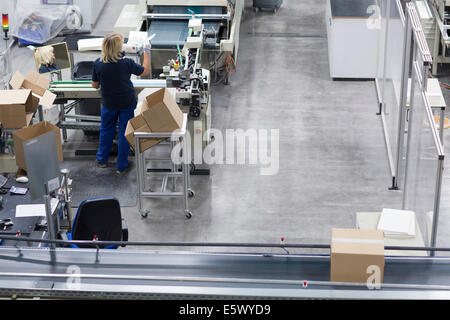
column 108, row 131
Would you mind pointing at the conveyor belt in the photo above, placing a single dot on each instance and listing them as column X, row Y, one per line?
column 170, row 33
column 150, row 274
column 84, row 90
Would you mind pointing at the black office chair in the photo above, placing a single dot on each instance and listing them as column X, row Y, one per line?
column 101, row 219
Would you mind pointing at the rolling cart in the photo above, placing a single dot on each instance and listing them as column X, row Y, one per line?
column 179, row 136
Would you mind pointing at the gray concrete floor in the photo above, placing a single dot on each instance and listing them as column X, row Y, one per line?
column 333, row 159
column 332, row 156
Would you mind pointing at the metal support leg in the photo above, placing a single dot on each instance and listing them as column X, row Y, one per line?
column 437, row 202
column 441, row 125
column 140, row 165
column 174, row 168
column 186, row 173
column 437, row 37
column 407, row 65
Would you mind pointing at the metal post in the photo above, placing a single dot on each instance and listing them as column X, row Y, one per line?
column 174, row 166
column 437, row 201
column 437, row 38
column 386, row 35
column 410, row 134
column 65, row 173
column 137, row 152
column 407, row 63
column 441, row 125
column 186, row 174
column 48, row 213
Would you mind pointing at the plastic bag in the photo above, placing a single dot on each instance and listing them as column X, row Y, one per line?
column 39, row 23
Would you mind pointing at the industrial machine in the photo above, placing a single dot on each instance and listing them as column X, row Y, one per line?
column 192, row 85
column 170, row 21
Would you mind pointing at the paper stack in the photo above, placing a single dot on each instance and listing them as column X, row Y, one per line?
column 397, row 223
column 35, row 210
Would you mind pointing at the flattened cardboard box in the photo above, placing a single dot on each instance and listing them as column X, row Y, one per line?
column 159, row 113
column 353, row 251
column 16, row 108
column 26, row 134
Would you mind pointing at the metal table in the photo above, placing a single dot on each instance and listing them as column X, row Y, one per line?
column 141, row 169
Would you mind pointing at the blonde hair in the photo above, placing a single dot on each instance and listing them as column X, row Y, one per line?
column 44, row 55
column 112, row 47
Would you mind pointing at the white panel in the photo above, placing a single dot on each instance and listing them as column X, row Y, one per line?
column 354, row 49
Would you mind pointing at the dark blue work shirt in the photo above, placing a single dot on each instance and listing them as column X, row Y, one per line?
column 114, row 77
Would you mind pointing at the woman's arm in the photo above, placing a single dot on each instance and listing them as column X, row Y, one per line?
column 146, row 64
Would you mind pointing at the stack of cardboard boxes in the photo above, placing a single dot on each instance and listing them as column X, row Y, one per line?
column 18, row 106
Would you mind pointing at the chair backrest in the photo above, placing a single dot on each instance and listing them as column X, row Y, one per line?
column 98, row 217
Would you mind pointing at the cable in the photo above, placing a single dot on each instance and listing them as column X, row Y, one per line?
column 229, row 60
column 215, row 62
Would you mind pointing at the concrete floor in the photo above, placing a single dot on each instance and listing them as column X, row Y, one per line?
column 332, row 156
column 333, row 159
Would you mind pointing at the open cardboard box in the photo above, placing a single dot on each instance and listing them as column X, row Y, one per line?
column 159, row 113
column 23, row 135
column 16, row 108
column 36, row 83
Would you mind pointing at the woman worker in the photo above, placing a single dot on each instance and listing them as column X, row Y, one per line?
column 45, row 58
column 112, row 74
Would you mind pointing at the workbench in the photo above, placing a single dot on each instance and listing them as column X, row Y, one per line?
column 27, row 226
column 77, row 90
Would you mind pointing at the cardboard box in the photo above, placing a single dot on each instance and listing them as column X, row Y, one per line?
column 25, row 134
column 353, row 251
column 159, row 113
column 16, row 108
column 37, row 83
column 138, row 124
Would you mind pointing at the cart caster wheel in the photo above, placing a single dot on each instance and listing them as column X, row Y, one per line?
column 144, row 213
column 191, row 193
column 188, row 214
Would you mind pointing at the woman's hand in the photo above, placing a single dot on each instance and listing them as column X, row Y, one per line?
column 147, row 46
column 95, row 85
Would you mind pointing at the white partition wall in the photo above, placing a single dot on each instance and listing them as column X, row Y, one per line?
column 390, row 79
column 425, row 157
column 413, row 144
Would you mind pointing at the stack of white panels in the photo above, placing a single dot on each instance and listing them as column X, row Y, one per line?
column 397, row 223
